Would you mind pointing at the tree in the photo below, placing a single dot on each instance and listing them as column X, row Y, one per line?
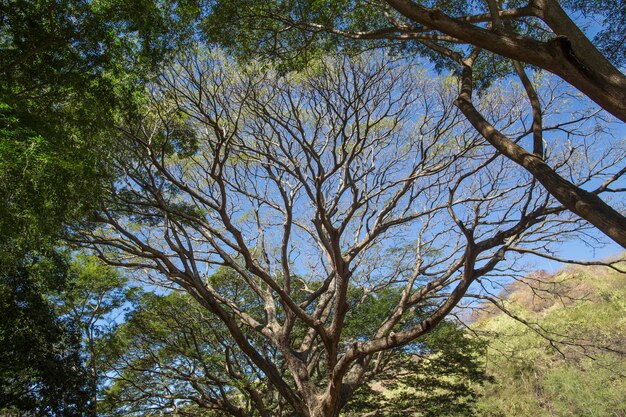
column 41, row 371
column 482, row 40
column 171, row 356
column 92, row 298
column 536, row 32
column 310, row 184
column 67, row 67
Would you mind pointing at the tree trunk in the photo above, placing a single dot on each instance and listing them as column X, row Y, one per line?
column 577, row 61
column 571, row 55
column 583, row 203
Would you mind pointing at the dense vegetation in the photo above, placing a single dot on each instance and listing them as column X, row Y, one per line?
column 583, row 308
column 566, row 360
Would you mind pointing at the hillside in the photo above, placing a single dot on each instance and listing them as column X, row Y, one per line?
column 579, row 372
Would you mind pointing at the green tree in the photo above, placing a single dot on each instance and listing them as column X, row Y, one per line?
column 537, row 32
column 54, row 309
column 41, row 370
column 67, row 68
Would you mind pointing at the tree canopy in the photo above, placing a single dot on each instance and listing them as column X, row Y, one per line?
column 537, row 32
column 312, row 183
column 67, row 68
column 480, row 40
column 309, row 189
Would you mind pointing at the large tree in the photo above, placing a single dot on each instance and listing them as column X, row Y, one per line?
column 171, row 356
column 482, row 40
column 66, row 68
column 308, row 185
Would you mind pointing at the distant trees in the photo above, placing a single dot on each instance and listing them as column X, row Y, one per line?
column 439, row 375
column 308, row 185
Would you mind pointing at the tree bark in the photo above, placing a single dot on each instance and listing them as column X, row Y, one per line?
column 570, row 55
column 583, row 203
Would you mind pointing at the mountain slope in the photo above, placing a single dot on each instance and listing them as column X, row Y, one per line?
column 580, row 372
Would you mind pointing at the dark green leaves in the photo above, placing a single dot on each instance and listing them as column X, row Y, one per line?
column 40, row 364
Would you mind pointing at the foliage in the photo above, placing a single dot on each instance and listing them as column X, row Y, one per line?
column 171, row 355
column 43, row 182
column 584, row 315
column 94, row 291
column 53, row 308
column 438, row 376
column 94, row 299
column 297, row 31
column 610, row 15
column 41, row 372
column 67, row 68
